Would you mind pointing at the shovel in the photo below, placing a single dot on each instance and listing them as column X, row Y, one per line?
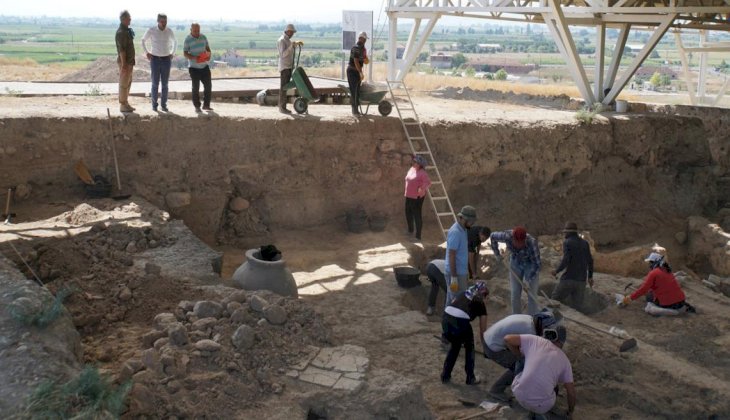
column 120, row 195
column 8, row 215
column 628, row 344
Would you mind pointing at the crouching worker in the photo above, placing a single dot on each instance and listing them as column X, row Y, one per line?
column 664, row 295
column 435, row 273
column 544, row 368
column 464, row 308
column 496, row 349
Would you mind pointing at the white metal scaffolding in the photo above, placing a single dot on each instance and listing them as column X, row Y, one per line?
column 657, row 16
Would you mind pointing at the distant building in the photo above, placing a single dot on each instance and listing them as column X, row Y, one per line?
column 233, row 59
column 488, row 48
column 648, row 71
column 441, row 61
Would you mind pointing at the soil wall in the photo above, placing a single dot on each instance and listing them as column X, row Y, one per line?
column 618, row 176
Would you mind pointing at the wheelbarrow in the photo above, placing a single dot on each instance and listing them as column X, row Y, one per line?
column 301, row 82
column 368, row 98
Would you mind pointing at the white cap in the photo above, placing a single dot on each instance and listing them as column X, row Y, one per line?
column 654, row 257
column 363, row 35
column 290, row 27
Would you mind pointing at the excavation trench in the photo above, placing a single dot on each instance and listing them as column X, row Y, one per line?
column 238, row 183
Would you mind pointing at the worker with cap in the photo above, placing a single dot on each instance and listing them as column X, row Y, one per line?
column 477, row 235
column 358, row 58
column 435, row 274
column 286, row 62
column 466, row 307
column 545, row 367
column 417, row 184
column 457, row 252
column 496, row 349
column 660, row 287
column 524, row 265
column 578, row 265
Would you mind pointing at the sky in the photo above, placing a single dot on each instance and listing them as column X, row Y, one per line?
column 310, row 11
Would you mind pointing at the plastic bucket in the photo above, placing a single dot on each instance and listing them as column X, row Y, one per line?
column 622, row 106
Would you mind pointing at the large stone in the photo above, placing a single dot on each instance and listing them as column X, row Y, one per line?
column 152, row 269
column 164, row 320
column 241, row 316
column 176, row 200
column 319, row 376
column 204, row 323
column 243, row 338
column 125, row 294
column 207, row 345
column 258, row 303
column 347, row 358
column 275, row 314
column 239, row 204
column 708, row 246
column 237, row 296
column 22, row 191
column 208, row 309
column 232, row 307
column 348, row 384
column 149, row 338
column 178, row 334
column 151, row 360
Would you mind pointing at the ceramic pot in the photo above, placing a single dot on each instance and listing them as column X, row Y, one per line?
column 257, row 274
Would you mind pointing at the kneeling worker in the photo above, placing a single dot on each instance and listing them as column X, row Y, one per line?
column 660, row 287
column 545, row 367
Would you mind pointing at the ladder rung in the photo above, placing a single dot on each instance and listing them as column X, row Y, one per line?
column 430, row 167
column 411, row 123
column 439, row 198
column 445, row 214
column 416, row 138
column 422, row 153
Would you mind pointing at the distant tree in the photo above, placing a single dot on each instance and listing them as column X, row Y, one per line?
column 252, row 44
column 470, row 72
column 656, row 79
column 654, row 54
column 501, row 74
column 263, row 27
column 423, row 57
column 458, row 60
column 666, row 80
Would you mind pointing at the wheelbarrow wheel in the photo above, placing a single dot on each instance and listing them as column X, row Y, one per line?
column 300, row 105
column 384, row 107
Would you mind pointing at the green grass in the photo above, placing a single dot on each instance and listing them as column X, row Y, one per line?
column 45, row 315
column 90, row 395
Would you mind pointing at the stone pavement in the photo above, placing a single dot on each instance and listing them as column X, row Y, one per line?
column 342, row 367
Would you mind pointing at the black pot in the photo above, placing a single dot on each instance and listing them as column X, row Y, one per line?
column 407, row 276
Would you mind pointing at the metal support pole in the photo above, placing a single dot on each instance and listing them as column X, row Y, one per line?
column 702, row 79
column 600, row 54
column 392, row 44
column 618, row 51
column 685, row 68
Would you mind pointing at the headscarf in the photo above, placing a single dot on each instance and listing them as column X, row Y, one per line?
column 479, row 288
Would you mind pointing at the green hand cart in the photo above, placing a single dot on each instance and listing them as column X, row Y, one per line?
column 368, row 98
column 301, row 82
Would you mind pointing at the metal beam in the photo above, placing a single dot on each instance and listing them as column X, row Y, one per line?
column 685, row 68
column 600, row 53
column 702, row 79
column 650, row 44
column 392, row 44
column 722, row 91
column 618, row 52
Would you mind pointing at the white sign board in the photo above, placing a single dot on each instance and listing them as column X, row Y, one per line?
column 354, row 22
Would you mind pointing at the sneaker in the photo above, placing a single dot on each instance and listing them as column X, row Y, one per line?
column 445, row 379
column 164, row 108
column 284, row 111
column 197, row 109
column 154, row 108
column 125, row 108
column 430, row 310
column 207, row 108
column 474, row 380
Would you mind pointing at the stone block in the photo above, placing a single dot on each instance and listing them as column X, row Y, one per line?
column 347, row 358
column 208, row 309
column 313, row 375
column 348, row 384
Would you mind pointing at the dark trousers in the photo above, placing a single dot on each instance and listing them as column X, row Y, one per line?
column 160, row 68
column 413, row 214
column 284, row 78
column 438, row 281
column 353, row 79
column 570, row 292
column 506, row 359
column 197, row 76
column 459, row 333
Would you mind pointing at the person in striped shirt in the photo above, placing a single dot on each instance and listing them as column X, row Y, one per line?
column 197, row 51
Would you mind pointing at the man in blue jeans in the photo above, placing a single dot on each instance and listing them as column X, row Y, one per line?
column 162, row 47
column 457, row 252
column 524, row 263
column 197, row 51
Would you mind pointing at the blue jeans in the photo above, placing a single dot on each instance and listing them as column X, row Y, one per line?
column 522, row 269
column 160, row 67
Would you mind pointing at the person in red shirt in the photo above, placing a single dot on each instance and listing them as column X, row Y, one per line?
column 660, row 286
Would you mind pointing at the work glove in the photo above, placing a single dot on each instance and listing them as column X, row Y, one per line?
column 454, row 284
column 300, row 43
column 366, row 61
column 626, row 300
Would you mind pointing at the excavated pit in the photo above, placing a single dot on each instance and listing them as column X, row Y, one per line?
column 240, row 182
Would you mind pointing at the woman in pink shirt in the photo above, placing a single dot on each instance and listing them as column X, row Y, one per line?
column 417, row 183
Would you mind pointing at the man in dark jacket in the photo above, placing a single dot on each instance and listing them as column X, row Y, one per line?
column 578, row 265
column 358, row 58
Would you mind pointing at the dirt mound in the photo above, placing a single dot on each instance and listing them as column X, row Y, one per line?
column 105, row 69
column 490, row 95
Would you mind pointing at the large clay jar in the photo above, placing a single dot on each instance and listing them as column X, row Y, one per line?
column 258, row 274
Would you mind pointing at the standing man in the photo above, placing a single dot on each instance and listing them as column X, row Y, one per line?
column 163, row 45
column 197, row 51
column 524, row 264
column 545, row 367
column 286, row 62
column 456, row 267
column 578, row 265
column 476, row 236
column 496, row 349
column 125, row 59
column 358, row 58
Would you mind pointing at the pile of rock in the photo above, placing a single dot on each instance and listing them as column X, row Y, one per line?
column 241, row 345
column 718, row 284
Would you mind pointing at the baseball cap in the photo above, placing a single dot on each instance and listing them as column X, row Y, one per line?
column 519, row 235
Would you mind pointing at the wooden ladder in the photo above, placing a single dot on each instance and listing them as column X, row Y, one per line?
column 408, row 116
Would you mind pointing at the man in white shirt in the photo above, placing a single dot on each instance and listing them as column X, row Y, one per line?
column 163, row 45
column 286, row 62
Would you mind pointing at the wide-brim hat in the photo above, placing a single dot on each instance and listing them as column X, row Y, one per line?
column 290, row 27
column 570, row 227
column 468, row 213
